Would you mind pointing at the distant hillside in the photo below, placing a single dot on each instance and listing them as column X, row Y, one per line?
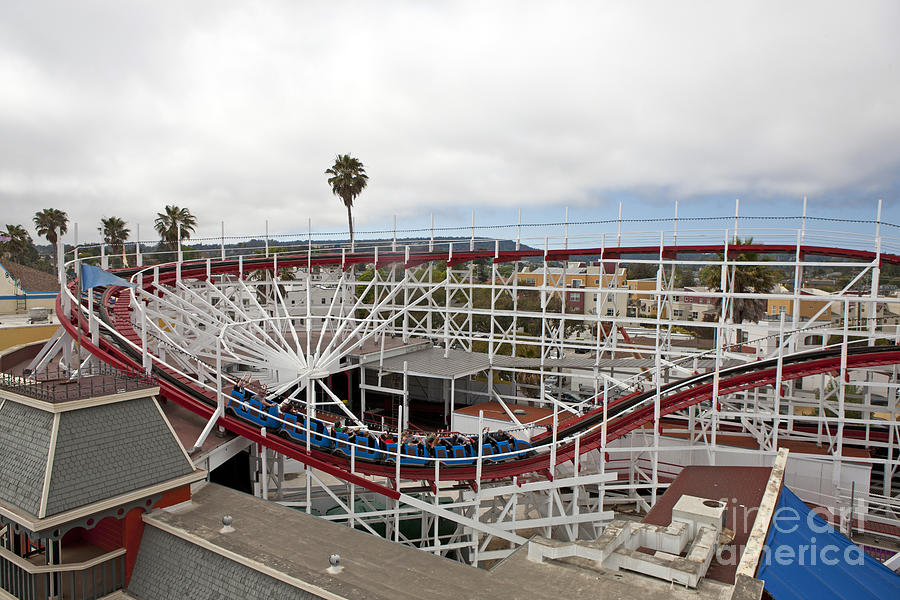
column 415, row 244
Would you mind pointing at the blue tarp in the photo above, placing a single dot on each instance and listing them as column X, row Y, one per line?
column 92, row 277
column 806, row 559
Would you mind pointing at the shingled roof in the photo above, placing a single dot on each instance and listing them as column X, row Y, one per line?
column 31, row 280
column 167, row 568
column 53, row 462
column 108, row 450
column 24, row 446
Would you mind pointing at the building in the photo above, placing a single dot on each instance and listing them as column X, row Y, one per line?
column 687, row 304
column 322, row 284
column 811, row 309
column 583, row 285
column 23, row 288
column 80, row 462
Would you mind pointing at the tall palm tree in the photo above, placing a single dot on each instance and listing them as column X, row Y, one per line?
column 17, row 243
column 167, row 223
column 743, row 279
column 348, row 179
column 48, row 223
column 115, row 233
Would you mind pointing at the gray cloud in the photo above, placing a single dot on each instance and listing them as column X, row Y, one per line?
column 235, row 109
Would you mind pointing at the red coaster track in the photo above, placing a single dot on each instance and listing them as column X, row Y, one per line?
column 624, row 415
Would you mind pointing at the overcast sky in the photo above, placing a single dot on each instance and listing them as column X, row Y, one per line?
column 235, row 109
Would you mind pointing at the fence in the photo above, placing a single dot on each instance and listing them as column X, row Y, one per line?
column 78, row 581
column 58, row 385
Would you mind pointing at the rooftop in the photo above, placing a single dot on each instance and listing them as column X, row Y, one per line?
column 289, row 547
column 531, row 414
column 741, row 488
column 58, row 461
column 26, row 320
column 432, row 362
column 55, row 386
column 31, row 280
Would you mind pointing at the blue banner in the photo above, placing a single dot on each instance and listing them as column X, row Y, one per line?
column 92, row 277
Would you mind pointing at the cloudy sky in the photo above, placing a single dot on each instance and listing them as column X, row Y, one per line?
column 234, row 109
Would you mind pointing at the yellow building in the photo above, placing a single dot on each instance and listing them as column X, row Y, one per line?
column 576, row 276
column 809, row 307
column 642, row 285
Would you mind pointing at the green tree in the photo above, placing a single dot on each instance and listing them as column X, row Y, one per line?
column 742, row 279
column 167, row 223
column 48, row 223
column 114, row 234
column 641, row 271
column 684, row 277
column 348, row 179
column 17, row 244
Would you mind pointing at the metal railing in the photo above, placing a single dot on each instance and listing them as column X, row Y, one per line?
column 59, row 385
column 87, row 580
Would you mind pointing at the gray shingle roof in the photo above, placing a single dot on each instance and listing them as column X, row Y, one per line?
column 31, row 280
column 169, row 567
column 112, row 449
column 24, row 444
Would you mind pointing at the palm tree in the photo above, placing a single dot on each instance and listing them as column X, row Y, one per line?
column 284, row 274
column 17, row 243
column 167, row 223
column 348, row 179
column 743, row 279
column 50, row 222
column 115, row 233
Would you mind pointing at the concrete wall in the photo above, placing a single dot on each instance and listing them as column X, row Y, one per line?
column 8, row 305
column 26, row 334
column 14, row 355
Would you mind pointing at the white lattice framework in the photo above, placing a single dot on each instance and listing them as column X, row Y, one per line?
column 215, row 327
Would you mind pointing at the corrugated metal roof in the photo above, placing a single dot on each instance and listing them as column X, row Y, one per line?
column 430, row 362
column 806, row 559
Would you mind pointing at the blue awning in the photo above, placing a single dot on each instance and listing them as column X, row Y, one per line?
column 92, row 277
column 805, row 558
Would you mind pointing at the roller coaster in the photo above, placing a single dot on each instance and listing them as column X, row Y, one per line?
column 188, row 322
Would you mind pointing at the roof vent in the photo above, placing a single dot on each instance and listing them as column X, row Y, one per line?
column 335, row 561
column 520, row 411
column 227, row 520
